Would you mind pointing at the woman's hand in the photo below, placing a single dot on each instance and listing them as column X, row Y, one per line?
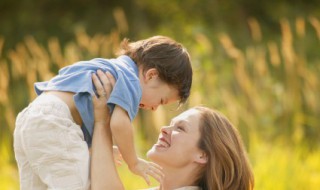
column 104, row 87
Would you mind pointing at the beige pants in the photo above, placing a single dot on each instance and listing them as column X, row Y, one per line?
column 49, row 147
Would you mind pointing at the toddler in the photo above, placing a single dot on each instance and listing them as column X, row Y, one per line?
column 53, row 133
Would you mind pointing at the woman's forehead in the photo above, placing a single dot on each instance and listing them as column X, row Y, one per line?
column 191, row 115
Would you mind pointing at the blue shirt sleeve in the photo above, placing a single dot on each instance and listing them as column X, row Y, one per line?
column 126, row 95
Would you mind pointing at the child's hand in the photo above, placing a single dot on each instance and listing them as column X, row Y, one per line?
column 117, row 156
column 145, row 168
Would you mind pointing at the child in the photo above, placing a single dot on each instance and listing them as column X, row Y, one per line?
column 48, row 141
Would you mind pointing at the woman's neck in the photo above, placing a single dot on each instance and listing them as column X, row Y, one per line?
column 178, row 177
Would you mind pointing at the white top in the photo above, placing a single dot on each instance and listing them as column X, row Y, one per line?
column 181, row 188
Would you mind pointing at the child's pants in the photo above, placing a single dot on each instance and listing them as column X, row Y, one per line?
column 49, row 147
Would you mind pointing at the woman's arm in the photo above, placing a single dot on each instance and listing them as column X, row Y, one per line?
column 103, row 170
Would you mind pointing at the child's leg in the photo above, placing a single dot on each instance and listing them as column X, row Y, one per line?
column 49, row 147
column 28, row 179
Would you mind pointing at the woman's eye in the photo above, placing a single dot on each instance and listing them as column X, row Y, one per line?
column 180, row 128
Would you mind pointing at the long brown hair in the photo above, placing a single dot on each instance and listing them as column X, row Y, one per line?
column 169, row 57
column 228, row 167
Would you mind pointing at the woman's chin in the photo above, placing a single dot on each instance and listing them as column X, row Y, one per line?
column 155, row 156
column 155, row 151
column 152, row 150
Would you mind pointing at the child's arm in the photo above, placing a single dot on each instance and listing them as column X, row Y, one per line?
column 122, row 131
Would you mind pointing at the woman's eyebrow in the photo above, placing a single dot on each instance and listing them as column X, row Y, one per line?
column 179, row 122
column 183, row 122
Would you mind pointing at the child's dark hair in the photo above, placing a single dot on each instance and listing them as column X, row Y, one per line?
column 169, row 57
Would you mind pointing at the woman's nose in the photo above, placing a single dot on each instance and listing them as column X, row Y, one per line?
column 166, row 129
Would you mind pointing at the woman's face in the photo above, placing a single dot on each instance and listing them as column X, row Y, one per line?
column 177, row 145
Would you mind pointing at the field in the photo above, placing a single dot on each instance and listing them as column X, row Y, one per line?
column 269, row 89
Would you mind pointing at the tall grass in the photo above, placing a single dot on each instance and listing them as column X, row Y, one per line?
column 269, row 90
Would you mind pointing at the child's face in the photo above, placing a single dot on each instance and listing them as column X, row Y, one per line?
column 155, row 92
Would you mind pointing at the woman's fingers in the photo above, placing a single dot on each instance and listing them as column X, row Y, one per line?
column 98, row 85
column 112, row 80
column 107, row 81
column 104, row 83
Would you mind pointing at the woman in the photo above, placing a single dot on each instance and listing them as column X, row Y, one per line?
column 200, row 149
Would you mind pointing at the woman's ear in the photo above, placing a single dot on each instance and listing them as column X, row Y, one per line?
column 150, row 74
column 201, row 158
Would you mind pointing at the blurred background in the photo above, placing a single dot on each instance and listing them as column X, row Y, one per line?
column 258, row 62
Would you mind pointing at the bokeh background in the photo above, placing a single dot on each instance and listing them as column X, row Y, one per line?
column 258, row 62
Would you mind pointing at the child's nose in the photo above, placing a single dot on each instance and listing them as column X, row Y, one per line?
column 154, row 108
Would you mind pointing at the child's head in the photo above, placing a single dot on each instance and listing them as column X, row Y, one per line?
column 163, row 59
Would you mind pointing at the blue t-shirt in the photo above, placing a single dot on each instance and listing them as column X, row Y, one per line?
column 76, row 78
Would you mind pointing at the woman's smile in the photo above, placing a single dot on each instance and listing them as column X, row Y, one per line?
column 162, row 143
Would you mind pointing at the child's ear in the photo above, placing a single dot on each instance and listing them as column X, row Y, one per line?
column 151, row 73
column 201, row 158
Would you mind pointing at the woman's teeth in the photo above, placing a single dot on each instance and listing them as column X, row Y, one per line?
column 164, row 144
